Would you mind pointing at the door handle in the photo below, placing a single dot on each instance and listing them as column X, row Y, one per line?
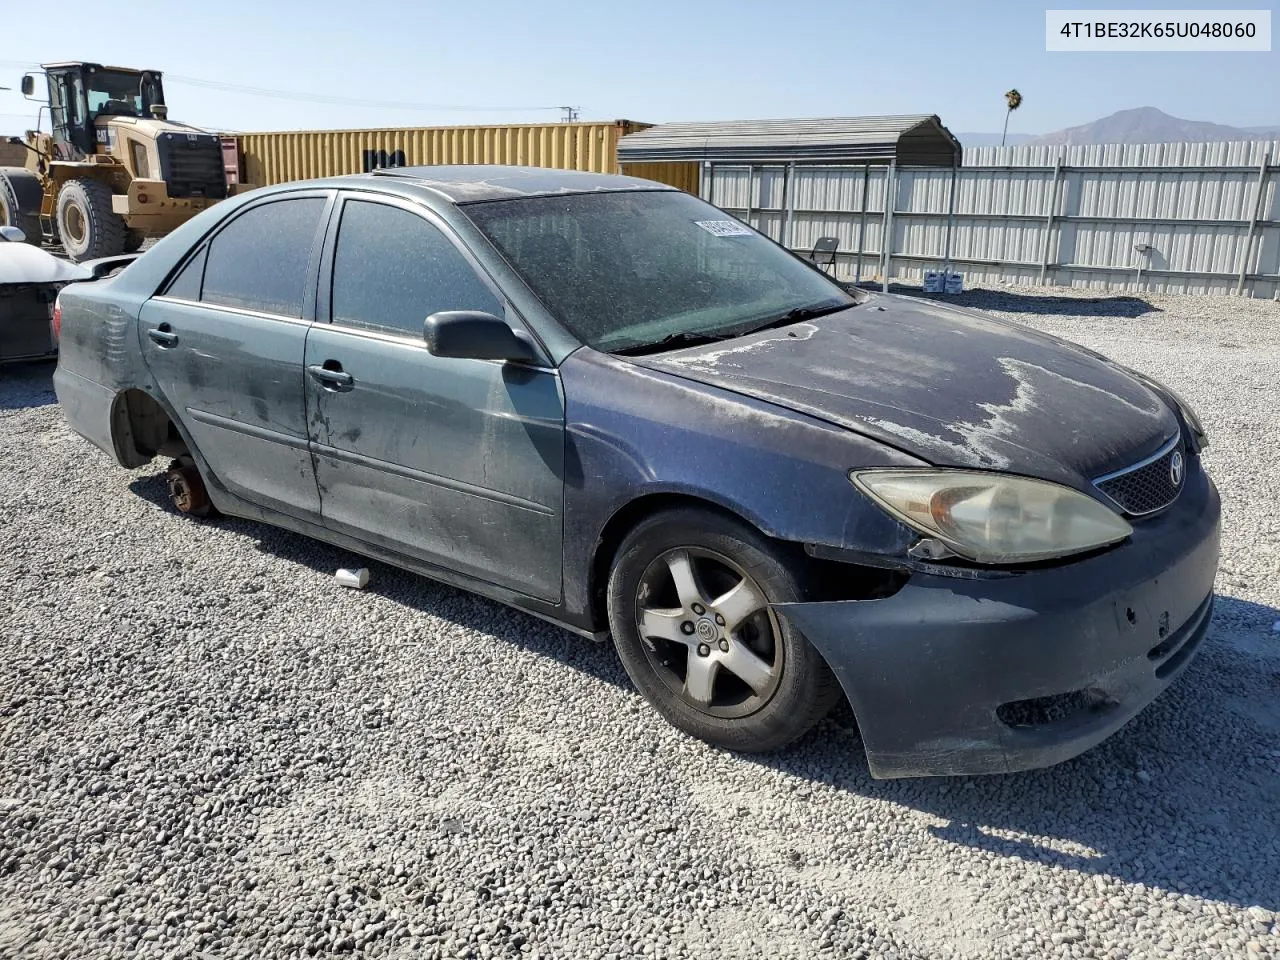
column 163, row 335
column 331, row 376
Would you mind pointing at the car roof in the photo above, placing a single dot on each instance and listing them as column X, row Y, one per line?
column 472, row 183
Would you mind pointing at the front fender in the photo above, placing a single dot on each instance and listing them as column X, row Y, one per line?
column 633, row 432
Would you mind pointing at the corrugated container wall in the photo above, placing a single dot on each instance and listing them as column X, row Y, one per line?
column 270, row 158
column 685, row 176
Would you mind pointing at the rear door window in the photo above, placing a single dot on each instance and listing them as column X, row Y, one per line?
column 259, row 261
column 186, row 285
column 392, row 269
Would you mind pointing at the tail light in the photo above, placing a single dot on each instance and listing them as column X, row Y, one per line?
column 55, row 321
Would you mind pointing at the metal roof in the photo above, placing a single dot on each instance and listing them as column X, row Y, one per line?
column 96, row 66
column 919, row 140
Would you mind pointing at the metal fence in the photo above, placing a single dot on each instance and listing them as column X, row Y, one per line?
column 1178, row 217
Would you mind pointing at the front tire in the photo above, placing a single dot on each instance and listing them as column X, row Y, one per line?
column 688, row 601
column 88, row 226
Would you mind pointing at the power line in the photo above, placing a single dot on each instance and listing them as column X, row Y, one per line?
column 339, row 101
column 321, row 98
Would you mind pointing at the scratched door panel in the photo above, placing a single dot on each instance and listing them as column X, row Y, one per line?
column 456, row 462
column 235, row 381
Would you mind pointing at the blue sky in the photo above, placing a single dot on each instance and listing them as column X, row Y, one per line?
column 500, row 60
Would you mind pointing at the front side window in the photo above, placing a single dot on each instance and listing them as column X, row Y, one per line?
column 392, row 269
column 259, row 261
column 627, row 270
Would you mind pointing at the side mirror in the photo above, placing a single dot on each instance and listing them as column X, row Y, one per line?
column 28, row 85
column 473, row 335
column 13, row 235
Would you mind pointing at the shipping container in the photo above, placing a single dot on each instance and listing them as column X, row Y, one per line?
column 268, row 158
column 686, row 176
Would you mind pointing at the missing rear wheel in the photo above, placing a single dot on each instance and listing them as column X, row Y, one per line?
column 187, row 491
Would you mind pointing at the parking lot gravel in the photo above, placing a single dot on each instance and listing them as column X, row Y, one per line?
column 209, row 748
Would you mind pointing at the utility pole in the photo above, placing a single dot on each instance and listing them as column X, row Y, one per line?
column 570, row 115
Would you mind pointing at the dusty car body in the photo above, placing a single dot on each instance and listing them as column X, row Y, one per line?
column 529, row 445
column 30, row 280
column 29, row 283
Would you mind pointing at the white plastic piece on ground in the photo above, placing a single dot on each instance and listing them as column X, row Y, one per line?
column 355, row 579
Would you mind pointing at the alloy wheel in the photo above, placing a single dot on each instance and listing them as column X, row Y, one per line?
column 708, row 632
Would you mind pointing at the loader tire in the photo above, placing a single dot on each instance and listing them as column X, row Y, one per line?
column 20, row 195
column 133, row 241
column 89, row 227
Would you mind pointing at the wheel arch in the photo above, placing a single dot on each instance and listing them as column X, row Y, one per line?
column 825, row 578
column 113, row 175
column 142, row 429
column 629, row 515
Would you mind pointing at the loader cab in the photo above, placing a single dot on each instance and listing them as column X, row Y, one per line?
column 80, row 93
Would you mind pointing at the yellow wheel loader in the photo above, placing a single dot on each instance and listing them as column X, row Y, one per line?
column 114, row 170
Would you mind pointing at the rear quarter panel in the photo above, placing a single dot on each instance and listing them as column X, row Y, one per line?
column 98, row 357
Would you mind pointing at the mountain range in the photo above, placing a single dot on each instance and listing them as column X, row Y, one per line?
column 1140, row 125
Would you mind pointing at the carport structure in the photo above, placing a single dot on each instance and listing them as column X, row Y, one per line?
column 798, row 180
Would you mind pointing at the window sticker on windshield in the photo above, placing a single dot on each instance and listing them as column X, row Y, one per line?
column 724, row 228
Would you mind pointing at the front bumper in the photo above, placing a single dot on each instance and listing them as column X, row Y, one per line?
column 958, row 676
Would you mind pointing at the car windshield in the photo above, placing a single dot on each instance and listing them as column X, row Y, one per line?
column 643, row 270
column 115, row 93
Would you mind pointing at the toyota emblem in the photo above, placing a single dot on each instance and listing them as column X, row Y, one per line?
column 1176, row 468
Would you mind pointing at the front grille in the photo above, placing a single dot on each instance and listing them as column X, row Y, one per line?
column 191, row 165
column 1150, row 485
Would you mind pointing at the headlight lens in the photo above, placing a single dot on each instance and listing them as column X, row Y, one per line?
column 991, row 517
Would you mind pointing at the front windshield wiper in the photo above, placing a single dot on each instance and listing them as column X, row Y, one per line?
column 674, row 342
column 686, row 338
column 795, row 315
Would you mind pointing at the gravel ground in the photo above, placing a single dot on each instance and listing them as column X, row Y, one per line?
column 210, row 749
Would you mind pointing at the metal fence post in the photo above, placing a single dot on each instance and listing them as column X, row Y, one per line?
column 1052, row 212
column 788, row 188
column 1247, row 253
column 886, row 239
column 862, row 224
column 951, row 221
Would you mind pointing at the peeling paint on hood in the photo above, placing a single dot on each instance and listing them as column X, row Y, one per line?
column 954, row 387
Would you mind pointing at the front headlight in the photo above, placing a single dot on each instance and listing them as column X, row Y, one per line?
column 991, row 517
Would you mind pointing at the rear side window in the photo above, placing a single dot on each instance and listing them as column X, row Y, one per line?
column 186, row 285
column 393, row 269
column 259, row 261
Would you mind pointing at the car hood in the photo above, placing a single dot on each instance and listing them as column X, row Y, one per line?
column 953, row 387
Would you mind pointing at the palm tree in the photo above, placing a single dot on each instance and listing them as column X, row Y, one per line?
column 1014, row 100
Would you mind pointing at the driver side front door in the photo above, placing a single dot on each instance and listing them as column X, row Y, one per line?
column 457, row 462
